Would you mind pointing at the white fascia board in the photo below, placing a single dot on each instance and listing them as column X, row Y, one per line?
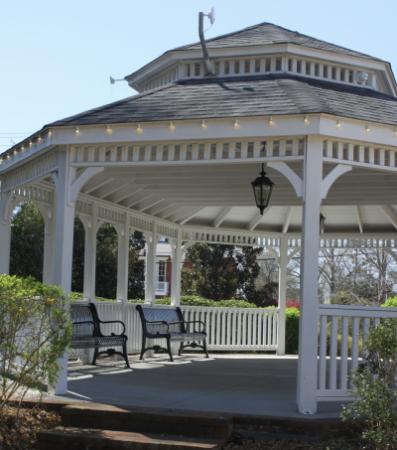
column 256, row 127
column 354, row 130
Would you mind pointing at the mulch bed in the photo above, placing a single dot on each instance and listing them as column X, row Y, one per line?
column 18, row 430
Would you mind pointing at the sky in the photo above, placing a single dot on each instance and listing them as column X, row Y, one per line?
column 56, row 56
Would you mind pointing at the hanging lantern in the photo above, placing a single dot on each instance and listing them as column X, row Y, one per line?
column 262, row 187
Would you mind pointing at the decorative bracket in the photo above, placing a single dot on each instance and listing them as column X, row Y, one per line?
column 78, row 182
column 291, row 176
column 330, row 179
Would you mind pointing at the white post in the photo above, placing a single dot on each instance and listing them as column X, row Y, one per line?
column 123, row 236
column 5, row 234
column 48, row 251
column 307, row 364
column 90, row 244
column 150, row 267
column 176, row 270
column 282, row 294
column 63, row 248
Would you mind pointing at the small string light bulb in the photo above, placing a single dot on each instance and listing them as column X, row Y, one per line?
column 306, row 120
column 236, row 124
column 270, row 121
column 338, row 124
column 204, row 125
column 367, row 129
column 395, row 132
column 30, row 144
column 49, row 133
column 139, row 129
column 39, row 139
column 109, row 130
column 172, row 127
column 77, row 131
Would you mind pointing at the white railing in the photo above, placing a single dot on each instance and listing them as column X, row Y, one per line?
column 342, row 333
column 228, row 329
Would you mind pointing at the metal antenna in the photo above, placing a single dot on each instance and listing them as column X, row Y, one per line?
column 115, row 80
column 207, row 62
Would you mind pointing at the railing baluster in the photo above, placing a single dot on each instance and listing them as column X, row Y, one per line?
column 333, row 351
column 344, row 354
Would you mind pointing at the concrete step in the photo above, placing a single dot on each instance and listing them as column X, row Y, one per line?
column 62, row 438
column 144, row 420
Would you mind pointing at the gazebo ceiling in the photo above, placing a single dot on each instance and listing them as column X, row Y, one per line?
column 221, row 196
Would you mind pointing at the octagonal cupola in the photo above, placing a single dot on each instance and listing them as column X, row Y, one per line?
column 267, row 49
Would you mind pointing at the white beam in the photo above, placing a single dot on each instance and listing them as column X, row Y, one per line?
column 126, row 193
column 330, row 179
column 150, row 267
column 291, row 176
column 123, row 244
column 390, row 214
column 282, row 295
column 190, row 216
column 149, row 205
column 114, row 190
column 359, row 215
column 81, row 180
column 221, row 216
column 287, row 219
column 95, row 186
column 5, row 234
column 256, row 219
column 176, row 270
column 308, row 324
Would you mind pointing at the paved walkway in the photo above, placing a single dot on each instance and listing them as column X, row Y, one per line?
column 238, row 384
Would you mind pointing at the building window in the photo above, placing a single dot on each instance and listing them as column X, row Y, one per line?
column 162, row 271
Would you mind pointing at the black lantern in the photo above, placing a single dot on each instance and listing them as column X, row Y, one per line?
column 262, row 187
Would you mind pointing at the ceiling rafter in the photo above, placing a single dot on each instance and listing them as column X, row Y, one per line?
column 287, row 220
column 359, row 216
column 390, row 214
column 221, row 216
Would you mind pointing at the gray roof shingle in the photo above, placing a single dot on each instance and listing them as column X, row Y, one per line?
column 267, row 34
column 238, row 97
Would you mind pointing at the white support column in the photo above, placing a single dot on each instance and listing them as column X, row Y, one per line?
column 176, row 270
column 123, row 235
column 282, row 294
column 90, row 245
column 307, row 364
column 48, row 251
column 150, row 267
column 5, row 234
column 63, row 248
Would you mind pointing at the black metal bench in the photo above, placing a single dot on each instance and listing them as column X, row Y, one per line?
column 168, row 323
column 87, row 332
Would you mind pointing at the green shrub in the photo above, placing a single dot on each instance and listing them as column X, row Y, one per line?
column 34, row 333
column 390, row 303
column 375, row 388
column 292, row 330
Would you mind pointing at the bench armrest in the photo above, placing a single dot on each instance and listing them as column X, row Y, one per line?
column 187, row 322
column 114, row 321
column 199, row 322
column 83, row 322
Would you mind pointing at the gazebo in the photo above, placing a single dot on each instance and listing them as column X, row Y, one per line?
column 177, row 160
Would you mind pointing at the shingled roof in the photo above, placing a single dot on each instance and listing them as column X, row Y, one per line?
column 239, row 97
column 267, row 34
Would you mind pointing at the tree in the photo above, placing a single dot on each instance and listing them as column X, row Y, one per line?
column 136, row 272
column 215, row 270
column 27, row 242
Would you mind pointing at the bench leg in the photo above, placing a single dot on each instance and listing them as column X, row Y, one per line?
column 169, row 349
column 125, row 354
column 95, row 356
column 143, row 348
column 180, row 349
column 205, row 348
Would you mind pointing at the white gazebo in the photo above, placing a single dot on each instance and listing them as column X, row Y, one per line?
column 177, row 160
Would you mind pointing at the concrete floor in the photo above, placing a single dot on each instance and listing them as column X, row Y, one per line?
column 238, row 384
